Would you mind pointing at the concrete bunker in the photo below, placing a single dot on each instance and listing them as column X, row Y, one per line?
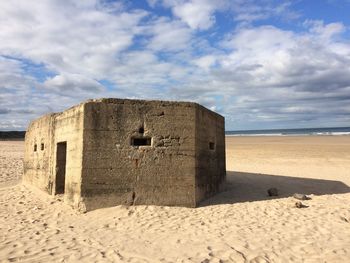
column 108, row 152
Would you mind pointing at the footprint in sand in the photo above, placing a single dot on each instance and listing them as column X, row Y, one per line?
column 344, row 219
column 259, row 259
column 130, row 212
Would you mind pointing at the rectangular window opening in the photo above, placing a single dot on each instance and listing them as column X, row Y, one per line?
column 211, row 146
column 143, row 141
column 35, row 147
column 42, row 146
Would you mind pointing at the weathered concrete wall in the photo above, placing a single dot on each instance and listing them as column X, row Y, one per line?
column 115, row 172
column 37, row 159
column 114, row 151
column 68, row 127
column 40, row 166
column 210, row 153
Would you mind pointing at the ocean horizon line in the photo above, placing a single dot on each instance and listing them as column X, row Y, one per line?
column 257, row 132
column 291, row 132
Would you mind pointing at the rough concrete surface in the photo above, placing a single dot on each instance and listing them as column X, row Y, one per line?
column 107, row 152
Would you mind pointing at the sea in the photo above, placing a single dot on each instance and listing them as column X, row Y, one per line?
column 292, row 132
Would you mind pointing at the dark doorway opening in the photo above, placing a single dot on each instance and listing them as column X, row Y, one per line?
column 61, row 158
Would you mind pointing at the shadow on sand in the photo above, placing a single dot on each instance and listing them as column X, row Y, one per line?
column 247, row 187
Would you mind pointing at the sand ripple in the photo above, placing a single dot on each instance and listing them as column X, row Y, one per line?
column 39, row 228
column 35, row 227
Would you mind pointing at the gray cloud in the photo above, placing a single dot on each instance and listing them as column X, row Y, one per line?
column 4, row 111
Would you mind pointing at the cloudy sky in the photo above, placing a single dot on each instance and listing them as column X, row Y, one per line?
column 262, row 64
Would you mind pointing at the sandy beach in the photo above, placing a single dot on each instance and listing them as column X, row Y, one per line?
column 11, row 162
column 241, row 224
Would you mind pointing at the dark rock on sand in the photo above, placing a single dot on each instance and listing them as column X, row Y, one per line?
column 300, row 205
column 272, row 192
column 301, row 197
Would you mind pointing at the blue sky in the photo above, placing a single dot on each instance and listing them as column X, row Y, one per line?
column 262, row 64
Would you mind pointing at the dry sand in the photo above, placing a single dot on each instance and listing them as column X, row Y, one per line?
column 11, row 162
column 241, row 224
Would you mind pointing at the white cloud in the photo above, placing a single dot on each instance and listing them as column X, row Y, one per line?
column 65, row 35
column 280, row 58
column 12, row 76
column 250, row 10
column 15, row 93
column 256, row 75
column 200, row 14
column 168, row 35
column 271, row 76
column 72, row 84
column 322, row 31
column 206, row 61
column 197, row 14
